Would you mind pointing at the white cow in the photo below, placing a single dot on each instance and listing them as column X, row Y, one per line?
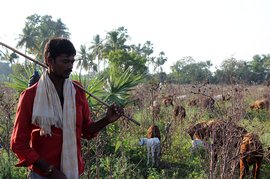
column 152, row 144
column 197, row 145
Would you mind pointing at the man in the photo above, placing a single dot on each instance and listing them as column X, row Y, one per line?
column 52, row 116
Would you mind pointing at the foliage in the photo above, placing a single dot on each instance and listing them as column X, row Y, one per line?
column 115, row 153
column 20, row 79
column 187, row 71
column 6, row 56
column 120, row 61
column 38, row 29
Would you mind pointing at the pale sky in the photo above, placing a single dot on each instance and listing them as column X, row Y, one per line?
column 204, row 29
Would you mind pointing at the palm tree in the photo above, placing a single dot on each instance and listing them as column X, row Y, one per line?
column 116, row 39
column 36, row 32
column 10, row 57
column 97, row 50
column 159, row 61
column 86, row 60
column 28, row 38
column 83, row 58
column 60, row 29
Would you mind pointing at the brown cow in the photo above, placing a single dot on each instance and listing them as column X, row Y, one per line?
column 251, row 153
column 153, row 131
column 216, row 131
column 204, row 102
column 155, row 109
column 260, row 104
column 168, row 100
column 180, row 112
column 199, row 131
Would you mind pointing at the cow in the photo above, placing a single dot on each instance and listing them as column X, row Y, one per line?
column 251, row 153
column 179, row 112
column 168, row 100
column 155, row 109
column 205, row 102
column 153, row 146
column 215, row 133
column 153, row 131
column 260, row 104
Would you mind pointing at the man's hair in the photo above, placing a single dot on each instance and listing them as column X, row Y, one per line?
column 57, row 46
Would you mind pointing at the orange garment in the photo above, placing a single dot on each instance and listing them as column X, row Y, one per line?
column 29, row 146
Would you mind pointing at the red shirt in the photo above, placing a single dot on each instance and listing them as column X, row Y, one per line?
column 29, row 146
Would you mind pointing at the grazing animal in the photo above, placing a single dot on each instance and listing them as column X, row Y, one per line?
column 168, row 101
column 180, row 112
column 251, row 153
column 155, row 109
column 260, row 104
column 208, row 103
column 215, row 133
column 153, row 131
column 205, row 102
column 221, row 97
column 182, row 97
column 193, row 102
column 153, row 146
column 199, row 131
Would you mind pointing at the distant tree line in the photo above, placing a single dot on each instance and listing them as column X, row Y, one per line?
column 112, row 54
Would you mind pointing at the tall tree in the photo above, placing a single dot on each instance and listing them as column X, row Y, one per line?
column 159, row 61
column 258, row 68
column 85, row 60
column 38, row 29
column 97, row 49
column 187, row 70
column 116, row 40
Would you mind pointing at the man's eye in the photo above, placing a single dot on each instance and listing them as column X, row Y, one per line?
column 68, row 61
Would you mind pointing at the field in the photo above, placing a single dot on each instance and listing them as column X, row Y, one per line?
column 116, row 153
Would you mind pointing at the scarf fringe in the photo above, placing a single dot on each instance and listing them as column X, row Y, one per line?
column 45, row 124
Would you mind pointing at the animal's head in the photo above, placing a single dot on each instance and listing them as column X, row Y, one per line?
column 153, row 131
column 198, row 131
column 142, row 141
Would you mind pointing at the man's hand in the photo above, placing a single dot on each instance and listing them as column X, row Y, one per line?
column 114, row 112
column 56, row 174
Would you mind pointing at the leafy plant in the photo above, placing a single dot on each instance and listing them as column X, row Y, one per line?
column 20, row 81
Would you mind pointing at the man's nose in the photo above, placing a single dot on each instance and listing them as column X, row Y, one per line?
column 70, row 65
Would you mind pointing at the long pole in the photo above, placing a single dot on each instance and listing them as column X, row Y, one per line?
column 43, row 65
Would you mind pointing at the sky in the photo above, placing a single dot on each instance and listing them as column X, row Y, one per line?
column 212, row 30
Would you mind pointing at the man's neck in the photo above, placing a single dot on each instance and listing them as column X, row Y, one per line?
column 58, row 84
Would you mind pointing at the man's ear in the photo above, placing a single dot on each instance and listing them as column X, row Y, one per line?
column 49, row 61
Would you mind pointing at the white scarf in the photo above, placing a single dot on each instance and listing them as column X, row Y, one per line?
column 47, row 112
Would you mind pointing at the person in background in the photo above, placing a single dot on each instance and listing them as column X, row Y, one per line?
column 53, row 116
column 34, row 78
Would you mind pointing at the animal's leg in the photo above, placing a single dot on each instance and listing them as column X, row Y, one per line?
column 242, row 169
column 148, row 154
column 256, row 169
column 158, row 154
column 153, row 154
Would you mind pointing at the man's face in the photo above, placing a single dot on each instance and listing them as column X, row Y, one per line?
column 61, row 66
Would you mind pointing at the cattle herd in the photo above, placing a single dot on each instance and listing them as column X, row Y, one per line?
column 215, row 134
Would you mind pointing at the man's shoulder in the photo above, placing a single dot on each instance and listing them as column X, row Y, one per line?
column 29, row 93
column 78, row 86
column 77, row 83
column 31, row 89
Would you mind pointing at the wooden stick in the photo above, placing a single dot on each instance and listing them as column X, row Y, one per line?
column 43, row 65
